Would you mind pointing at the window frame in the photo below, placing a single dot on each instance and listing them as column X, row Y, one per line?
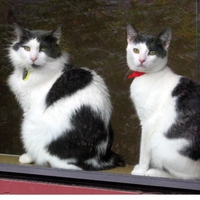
column 105, row 179
column 97, row 179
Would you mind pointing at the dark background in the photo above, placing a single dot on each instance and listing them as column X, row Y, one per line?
column 93, row 33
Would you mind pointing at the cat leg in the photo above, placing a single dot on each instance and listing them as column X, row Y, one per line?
column 25, row 159
column 158, row 173
column 144, row 161
column 139, row 170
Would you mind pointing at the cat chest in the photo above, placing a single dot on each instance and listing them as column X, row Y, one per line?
column 33, row 97
column 151, row 98
column 144, row 95
column 31, row 89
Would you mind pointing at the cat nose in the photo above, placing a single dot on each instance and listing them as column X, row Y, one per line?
column 142, row 60
column 33, row 59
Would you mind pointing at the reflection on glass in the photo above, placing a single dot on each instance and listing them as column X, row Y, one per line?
column 94, row 35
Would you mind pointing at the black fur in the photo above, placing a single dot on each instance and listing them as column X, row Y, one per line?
column 53, row 49
column 88, row 130
column 72, row 80
column 45, row 38
column 153, row 44
column 82, row 141
column 187, row 124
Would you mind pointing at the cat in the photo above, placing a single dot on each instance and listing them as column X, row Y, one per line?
column 66, row 109
column 168, row 107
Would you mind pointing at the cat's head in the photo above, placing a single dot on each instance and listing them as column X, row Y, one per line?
column 147, row 53
column 33, row 49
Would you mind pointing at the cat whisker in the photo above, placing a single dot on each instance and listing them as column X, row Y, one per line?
column 125, row 69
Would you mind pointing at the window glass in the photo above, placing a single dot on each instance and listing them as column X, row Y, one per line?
column 93, row 32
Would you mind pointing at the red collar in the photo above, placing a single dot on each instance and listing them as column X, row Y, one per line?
column 136, row 74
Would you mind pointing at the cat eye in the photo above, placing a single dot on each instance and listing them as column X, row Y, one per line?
column 27, row 48
column 135, row 50
column 152, row 53
column 43, row 49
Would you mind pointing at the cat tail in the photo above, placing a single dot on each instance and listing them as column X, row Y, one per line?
column 107, row 161
column 111, row 160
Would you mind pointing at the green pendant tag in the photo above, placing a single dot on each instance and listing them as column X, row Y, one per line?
column 25, row 75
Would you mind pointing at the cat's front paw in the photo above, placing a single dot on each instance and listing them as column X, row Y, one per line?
column 25, row 159
column 138, row 170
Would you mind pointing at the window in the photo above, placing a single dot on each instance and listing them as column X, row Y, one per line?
column 93, row 32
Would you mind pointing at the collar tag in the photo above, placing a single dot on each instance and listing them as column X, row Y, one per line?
column 136, row 74
column 25, row 74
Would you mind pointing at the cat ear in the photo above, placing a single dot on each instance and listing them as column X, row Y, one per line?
column 165, row 37
column 131, row 33
column 57, row 34
column 20, row 32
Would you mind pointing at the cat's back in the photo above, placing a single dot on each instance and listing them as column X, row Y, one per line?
column 187, row 94
column 81, row 86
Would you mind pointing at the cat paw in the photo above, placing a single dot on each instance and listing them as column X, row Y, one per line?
column 157, row 173
column 138, row 170
column 25, row 159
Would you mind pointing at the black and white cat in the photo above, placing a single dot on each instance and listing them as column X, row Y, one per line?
column 66, row 109
column 168, row 106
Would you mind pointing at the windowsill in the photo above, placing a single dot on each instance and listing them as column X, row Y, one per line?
column 13, row 159
column 118, row 178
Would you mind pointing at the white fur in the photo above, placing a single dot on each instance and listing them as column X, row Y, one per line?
column 40, row 124
column 151, row 95
column 151, row 64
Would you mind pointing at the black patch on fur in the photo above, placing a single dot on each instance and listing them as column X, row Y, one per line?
column 53, row 49
column 153, row 44
column 81, row 142
column 72, row 80
column 45, row 39
column 19, row 44
column 187, row 124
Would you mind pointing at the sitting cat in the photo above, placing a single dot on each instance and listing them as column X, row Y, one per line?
column 66, row 109
column 168, row 106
